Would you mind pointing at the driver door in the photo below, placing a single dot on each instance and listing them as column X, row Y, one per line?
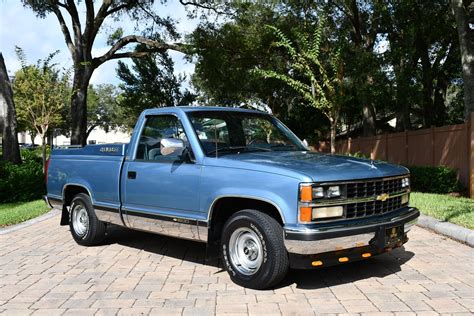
column 161, row 189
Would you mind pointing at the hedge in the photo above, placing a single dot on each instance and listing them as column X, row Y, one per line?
column 434, row 179
column 24, row 182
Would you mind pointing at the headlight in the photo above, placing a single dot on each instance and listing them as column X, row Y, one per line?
column 325, row 212
column 309, row 192
column 333, row 191
column 405, row 182
column 318, row 192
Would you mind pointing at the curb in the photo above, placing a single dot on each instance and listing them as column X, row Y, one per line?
column 458, row 233
column 29, row 222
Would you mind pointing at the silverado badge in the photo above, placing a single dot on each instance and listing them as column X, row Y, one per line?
column 383, row 197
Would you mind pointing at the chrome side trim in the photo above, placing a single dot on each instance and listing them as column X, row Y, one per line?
column 326, row 245
column 203, row 232
column 108, row 215
column 211, row 208
column 167, row 225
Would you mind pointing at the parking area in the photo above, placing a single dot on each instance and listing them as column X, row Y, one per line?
column 43, row 271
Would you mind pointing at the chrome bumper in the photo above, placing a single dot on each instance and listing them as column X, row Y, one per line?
column 315, row 241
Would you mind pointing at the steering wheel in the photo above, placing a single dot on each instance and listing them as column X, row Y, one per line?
column 257, row 141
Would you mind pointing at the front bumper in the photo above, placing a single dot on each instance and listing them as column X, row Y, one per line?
column 358, row 234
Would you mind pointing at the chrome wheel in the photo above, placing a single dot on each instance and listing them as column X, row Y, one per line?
column 245, row 251
column 80, row 220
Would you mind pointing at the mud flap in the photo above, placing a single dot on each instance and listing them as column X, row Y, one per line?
column 64, row 216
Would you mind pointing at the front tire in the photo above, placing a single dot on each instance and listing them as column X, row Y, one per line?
column 85, row 228
column 253, row 250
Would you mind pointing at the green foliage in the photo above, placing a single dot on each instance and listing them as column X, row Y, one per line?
column 24, row 182
column 447, row 208
column 434, row 179
column 313, row 79
column 103, row 108
column 149, row 83
column 317, row 78
column 399, row 59
column 40, row 92
column 14, row 213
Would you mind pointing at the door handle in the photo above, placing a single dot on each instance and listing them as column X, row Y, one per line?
column 132, row 175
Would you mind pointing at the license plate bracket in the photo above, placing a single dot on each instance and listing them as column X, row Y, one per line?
column 393, row 236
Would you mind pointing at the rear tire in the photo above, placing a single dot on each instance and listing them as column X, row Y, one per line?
column 253, row 250
column 85, row 228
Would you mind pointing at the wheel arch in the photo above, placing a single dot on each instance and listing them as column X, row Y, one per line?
column 223, row 207
column 69, row 192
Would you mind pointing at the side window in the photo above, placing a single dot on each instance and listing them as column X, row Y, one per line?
column 157, row 128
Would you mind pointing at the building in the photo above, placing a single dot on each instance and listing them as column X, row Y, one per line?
column 97, row 136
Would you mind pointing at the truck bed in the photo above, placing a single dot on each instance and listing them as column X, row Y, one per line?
column 94, row 167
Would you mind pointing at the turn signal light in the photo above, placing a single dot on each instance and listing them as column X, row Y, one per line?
column 305, row 214
column 343, row 259
column 306, row 193
column 366, row 255
column 316, row 263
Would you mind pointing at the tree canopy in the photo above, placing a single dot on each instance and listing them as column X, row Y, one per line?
column 40, row 94
column 151, row 30
column 401, row 62
column 150, row 82
column 380, row 66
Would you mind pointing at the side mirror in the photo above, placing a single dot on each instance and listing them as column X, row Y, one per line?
column 305, row 142
column 171, row 146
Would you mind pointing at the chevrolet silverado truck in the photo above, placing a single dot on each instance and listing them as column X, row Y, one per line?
column 240, row 181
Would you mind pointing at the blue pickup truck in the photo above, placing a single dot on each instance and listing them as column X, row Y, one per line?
column 240, row 181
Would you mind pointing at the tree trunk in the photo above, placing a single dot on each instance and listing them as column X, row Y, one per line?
column 466, row 42
column 50, row 139
column 439, row 106
column 427, row 80
column 82, row 75
column 368, row 119
column 8, row 124
column 89, row 131
column 43, row 151
column 333, row 136
column 33, row 136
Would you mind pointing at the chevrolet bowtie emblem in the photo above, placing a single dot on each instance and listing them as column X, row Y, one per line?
column 383, row 197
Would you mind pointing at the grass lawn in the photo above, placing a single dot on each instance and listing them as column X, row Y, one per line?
column 447, row 208
column 14, row 213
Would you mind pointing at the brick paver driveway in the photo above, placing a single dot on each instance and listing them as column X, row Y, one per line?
column 43, row 271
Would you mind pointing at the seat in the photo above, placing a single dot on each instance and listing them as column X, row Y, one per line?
column 154, row 153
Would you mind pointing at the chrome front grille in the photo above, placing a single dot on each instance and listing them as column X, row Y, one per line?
column 370, row 208
column 366, row 198
column 373, row 187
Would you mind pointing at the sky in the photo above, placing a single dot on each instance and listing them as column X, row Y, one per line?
column 19, row 26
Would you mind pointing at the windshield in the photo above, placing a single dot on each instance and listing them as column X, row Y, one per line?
column 227, row 132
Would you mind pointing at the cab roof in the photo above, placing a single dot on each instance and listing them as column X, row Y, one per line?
column 186, row 109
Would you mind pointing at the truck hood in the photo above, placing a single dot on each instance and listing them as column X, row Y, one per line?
column 318, row 167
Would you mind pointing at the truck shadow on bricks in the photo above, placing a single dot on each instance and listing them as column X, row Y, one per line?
column 165, row 247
